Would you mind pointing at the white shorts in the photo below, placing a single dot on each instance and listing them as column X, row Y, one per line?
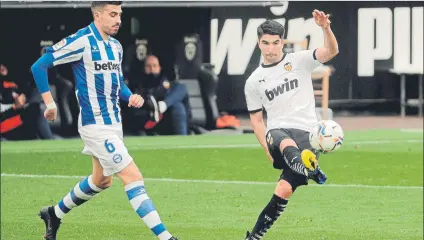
column 105, row 142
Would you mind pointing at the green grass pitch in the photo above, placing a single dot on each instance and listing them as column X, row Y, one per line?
column 214, row 187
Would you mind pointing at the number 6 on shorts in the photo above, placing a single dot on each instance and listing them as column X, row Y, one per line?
column 109, row 147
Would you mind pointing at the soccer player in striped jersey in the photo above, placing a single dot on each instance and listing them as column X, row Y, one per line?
column 96, row 59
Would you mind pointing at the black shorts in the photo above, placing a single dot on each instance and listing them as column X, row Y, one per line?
column 274, row 138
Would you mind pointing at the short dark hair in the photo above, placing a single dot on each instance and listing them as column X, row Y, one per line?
column 101, row 4
column 271, row 27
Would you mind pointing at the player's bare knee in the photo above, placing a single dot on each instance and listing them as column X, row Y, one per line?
column 105, row 183
column 283, row 190
column 102, row 182
column 130, row 174
column 287, row 143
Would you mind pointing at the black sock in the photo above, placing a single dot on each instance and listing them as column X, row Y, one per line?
column 293, row 159
column 268, row 216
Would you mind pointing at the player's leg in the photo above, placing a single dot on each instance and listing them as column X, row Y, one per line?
column 116, row 160
column 176, row 94
column 300, row 159
column 272, row 210
column 308, row 155
column 83, row 191
column 283, row 190
column 289, row 182
column 287, row 156
column 141, row 202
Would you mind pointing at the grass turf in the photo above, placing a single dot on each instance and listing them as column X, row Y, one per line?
column 374, row 189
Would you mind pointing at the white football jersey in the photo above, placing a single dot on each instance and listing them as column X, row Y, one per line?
column 284, row 89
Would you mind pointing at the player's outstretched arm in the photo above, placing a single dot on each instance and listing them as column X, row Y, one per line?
column 70, row 49
column 39, row 71
column 254, row 106
column 258, row 125
column 331, row 47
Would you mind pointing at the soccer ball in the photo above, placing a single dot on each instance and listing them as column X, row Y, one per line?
column 326, row 136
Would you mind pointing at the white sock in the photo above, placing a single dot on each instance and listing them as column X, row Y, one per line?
column 144, row 207
column 82, row 192
column 162, row 106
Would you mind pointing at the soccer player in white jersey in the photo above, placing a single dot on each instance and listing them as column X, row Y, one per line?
column 96, row 59
column 282, row 86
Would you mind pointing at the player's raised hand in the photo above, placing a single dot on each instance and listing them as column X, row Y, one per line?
column 135, row 101
column 321, row 19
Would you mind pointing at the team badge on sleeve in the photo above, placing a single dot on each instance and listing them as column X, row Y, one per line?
column 59, row 45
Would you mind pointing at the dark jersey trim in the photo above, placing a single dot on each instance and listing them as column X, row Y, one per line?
column 255, row 111
column 315, row 57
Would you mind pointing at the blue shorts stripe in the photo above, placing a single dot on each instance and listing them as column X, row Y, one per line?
column 101, row 97
column 137, row 191
column 158, row 229
column 78, row 201
column 62, row 207
column 145, row 208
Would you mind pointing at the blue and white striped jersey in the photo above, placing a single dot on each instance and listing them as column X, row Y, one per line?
column 96, row 65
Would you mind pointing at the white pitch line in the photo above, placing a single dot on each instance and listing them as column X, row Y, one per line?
column 256, row 145
column 208, row 146
column 387, row 141
column 214, row 181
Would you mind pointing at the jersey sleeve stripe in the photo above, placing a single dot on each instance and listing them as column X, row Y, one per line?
column 72, row 45
column 70, row 54
column 69, row 57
